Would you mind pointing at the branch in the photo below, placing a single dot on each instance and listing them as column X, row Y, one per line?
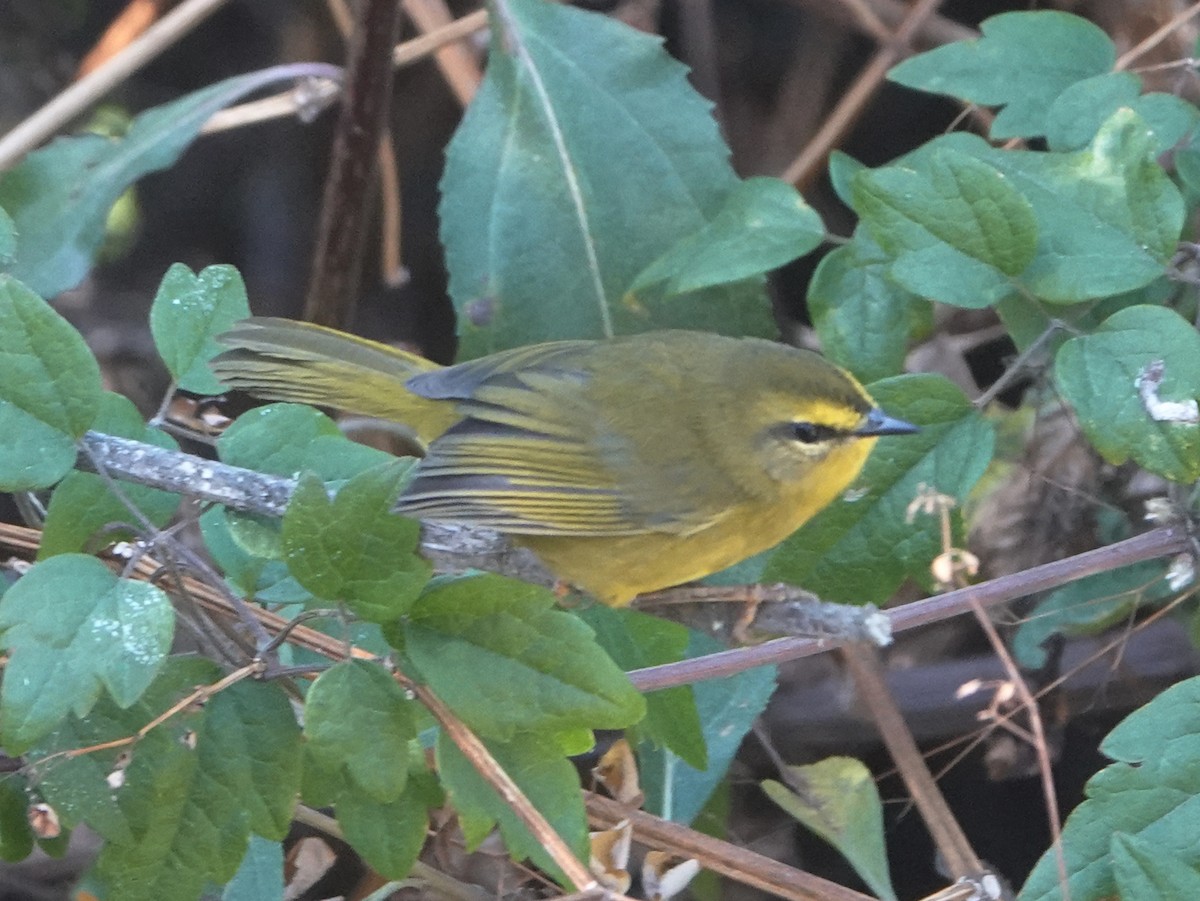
column 333, row 283
column 451, row 547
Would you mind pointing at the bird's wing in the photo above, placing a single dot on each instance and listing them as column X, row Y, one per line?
column 532, row 454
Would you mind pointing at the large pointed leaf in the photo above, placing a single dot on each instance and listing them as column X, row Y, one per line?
column 584, row 157
column 59, row 196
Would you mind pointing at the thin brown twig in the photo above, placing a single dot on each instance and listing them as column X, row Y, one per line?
column 868, row 20
column 485, row 764
column 741, row 864
column 960, row 859
column 333, row 280
column 201, row 694
column 934, row 31
column 312, row 98
column 456, row 60
column 805, row 167
column 132, row 21
column 1157, row 37
column 1037, row 737
column 76, row 98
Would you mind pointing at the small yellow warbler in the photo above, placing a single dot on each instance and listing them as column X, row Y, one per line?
column 626, row 465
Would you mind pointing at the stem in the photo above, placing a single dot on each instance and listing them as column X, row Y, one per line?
column 335, row 271
column 69, row 104
column 1161, row 542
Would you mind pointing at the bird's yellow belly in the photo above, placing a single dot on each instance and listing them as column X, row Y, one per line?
column 618, row 569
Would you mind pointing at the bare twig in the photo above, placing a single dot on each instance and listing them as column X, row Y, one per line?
column 805, row 167
column 133, row 20
column 334, row 276
column 1159, row 35
column 456, row 60
column 69, row 104
column 951, row 841
column 721, row 857
column 487, row 767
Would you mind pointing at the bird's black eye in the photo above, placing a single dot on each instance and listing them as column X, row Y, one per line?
column 811, row 433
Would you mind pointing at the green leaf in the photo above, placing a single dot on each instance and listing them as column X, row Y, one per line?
column 83, row 503
column 728, row 708
column 506, row 661
column 49, row 390
column 286, row 439
column 840, row 803
column 1023, row 61
column 353, row 548
column 16, row 837
column 260, row 876
column 192, row 811
column 194, row 786
column 842, row 170
column 958, row 229
column 59, row 196
column 538, row 245
column 1149, row 793
column 77, row 787
column 262, row 576
column 358, row 720
column 634, row 641
column 389, row 835
column 546, row 777
column 863, row 318
column 189, row 310
column 1146, row 872
column 8, row 241
column 1087, row 606
column 1024, row 318
column 1079, row 112
column 72, row 628
column 1109, row 379
column 1108, row 216
column 862, row 546
column 763, row 224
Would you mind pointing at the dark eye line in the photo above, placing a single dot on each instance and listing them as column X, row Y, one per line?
column 813, row 433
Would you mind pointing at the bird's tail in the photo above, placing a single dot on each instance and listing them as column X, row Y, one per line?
column 280, row 359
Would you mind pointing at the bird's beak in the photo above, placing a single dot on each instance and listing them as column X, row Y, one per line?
column 879, row 423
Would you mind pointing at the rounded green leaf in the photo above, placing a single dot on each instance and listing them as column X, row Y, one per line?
column 189, row 311
column 358, row 720
column 497, row 651
column 73, row 628
column 958, row 229
column 353, row 548
column 49, row 390
column 1133, row 385
column 1023, row 61
column 863, row 318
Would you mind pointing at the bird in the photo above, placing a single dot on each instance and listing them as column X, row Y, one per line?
column 627, row 465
